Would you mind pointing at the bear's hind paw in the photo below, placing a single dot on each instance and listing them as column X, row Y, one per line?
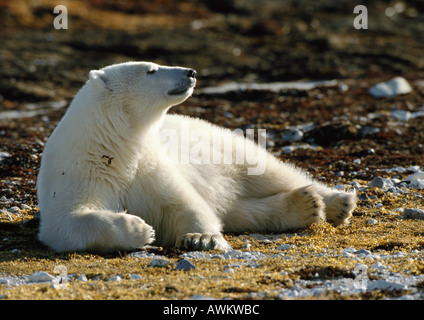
column 340, row 207
column 308, row 205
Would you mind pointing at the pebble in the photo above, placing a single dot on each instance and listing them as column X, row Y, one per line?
column 385, row 285
column 135, row 276
column 372, row 221
column 357, row 161
column 343, row 87
column 411, row 213
column 293, row 135
column 41, row 276
column 231, row 267
column 286, row 247
column 142, row 255
column 3, row 156
column 401, row 115
column 377, row 182
column 404, row 115
column 115, row 278
column 288, row 149
column 414, row 176
column 363, row 252
column 185, row 265
column 355, row 184
column 301, row 288
column 247, row 246
column 391, row 88
column 158, row 262
column 349, row 250
column 416, row 183
column 233, row 254
column 378, row 266
column 82, row 278
column 14, row 209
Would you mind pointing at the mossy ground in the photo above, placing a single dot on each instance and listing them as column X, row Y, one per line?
column 241, row 41
column 313, row 254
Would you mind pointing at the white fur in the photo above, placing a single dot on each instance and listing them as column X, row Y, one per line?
column 103, row 186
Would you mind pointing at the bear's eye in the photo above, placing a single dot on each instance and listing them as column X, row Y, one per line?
column 151, row 71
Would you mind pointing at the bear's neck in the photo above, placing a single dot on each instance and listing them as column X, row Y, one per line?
column 117, row 143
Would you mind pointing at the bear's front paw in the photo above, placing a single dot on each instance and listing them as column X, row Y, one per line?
column 134, row 231
column 202, row 241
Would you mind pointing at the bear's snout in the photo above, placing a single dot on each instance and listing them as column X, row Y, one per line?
column 186, row 81
column 191, row 73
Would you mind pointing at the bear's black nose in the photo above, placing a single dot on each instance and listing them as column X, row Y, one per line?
column 191, row 73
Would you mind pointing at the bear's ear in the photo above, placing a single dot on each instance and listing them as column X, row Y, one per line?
column 98, row 79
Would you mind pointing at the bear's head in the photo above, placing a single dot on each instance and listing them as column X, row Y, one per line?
column 142, row 86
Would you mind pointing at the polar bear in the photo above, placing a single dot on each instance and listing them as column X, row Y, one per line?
column 105, row 183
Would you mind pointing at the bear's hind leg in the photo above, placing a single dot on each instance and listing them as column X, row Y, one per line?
column 281, row 212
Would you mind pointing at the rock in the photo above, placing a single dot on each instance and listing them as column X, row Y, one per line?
column 185, row 265
column 355, row 184
column 82, row 278
column 14, row 209
column 247, row 246
column 293, row 135
column 378, row 266
column 288, row 149
column 385, row 285
column 401, row 115
column 135, row 276
column 416, row 180
column 157, row 262
column 115, row 278
column 363, row 251
column 377, row 182
column 349, row 250
column 404, row 115
column 142, row 255
column 41, row 276
column 414, row 176
column 286, row 247
column 372, row 221
column 391, row 88
column 3, row 156
column 416, row 184
column 399, row 254
column 412, row 213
